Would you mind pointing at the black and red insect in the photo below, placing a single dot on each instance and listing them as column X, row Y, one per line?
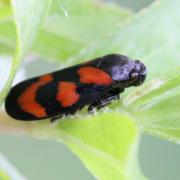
column 95, row 83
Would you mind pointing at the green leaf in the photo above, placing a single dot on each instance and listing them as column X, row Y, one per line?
column 88, row 19
column 8, row 38
column 157, row 110
column 28, row 17
column 79, row 24
column 3, row 175
column 150, row 36
column 107, row 143
column 5, row 10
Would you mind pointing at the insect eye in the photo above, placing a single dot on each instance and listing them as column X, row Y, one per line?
column 137, row 61
column 134, row 76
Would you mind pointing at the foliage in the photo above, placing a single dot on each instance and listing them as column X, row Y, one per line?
column 74, row 31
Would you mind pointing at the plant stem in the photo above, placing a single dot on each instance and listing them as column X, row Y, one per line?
column 9, row 125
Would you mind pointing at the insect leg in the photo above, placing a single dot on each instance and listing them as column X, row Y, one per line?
column 53, row 119
column 105, row 100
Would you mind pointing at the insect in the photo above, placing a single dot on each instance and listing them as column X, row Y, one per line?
column 94, row 83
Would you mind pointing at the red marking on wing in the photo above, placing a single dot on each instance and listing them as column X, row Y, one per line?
column 27, row 100
column 67, row 94
column 94, row 75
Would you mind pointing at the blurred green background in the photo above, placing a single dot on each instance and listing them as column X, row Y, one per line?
column 50, row 160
